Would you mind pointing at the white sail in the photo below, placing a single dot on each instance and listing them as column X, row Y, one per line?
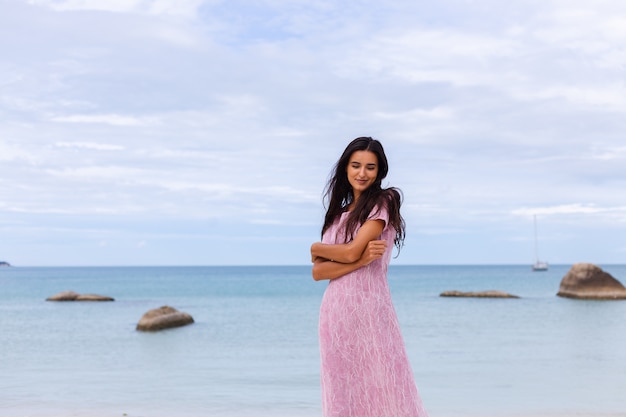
column 538, row 265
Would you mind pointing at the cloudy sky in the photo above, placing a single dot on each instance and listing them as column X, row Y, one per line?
column 191, row 132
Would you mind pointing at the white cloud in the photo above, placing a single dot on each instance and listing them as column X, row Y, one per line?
column 609, row 97
column 437, row 113
column 609, row 153
column 111, row 119
column 95, row 172
column 9, row 152
column 566, row 209
column 109, row 5
column 428, row 56
column 185, row 8
column 90, row 145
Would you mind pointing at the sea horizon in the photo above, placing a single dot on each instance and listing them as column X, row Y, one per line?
column 393, row 264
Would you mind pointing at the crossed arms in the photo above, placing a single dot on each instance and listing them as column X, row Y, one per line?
column 334, row 261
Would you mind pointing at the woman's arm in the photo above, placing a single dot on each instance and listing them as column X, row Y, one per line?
column 325, row 269
column 351, row 252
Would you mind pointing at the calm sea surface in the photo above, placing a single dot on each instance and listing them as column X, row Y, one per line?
column 252, row 351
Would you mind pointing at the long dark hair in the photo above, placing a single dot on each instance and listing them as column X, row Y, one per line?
column 339, row 194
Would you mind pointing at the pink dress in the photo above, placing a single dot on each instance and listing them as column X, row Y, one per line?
column 365, row 369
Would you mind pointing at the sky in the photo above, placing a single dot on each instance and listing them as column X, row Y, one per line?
column 192, row 132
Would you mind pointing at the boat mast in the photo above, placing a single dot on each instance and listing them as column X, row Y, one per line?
column 536, row 250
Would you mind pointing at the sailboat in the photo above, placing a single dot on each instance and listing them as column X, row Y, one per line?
column 538, row 265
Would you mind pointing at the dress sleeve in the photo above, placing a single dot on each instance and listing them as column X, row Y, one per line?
column 379, row 212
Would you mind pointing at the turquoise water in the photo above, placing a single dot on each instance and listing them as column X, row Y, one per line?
column 253, row 348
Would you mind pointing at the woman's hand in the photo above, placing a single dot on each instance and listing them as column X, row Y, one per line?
column 375, row 249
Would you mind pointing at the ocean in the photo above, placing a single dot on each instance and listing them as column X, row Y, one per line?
column 252, row 351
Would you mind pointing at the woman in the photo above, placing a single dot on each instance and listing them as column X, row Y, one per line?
column 365, row 369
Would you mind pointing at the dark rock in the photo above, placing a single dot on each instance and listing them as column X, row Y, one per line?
column 74, row 296
column 163, row 318
column 479, row 294
column 590, row 282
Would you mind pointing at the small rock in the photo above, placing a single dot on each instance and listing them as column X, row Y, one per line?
column 479, row 294
column 94, row 297
column 74, row 296
column 64, row 296
column 590, row 282
column 163, row 318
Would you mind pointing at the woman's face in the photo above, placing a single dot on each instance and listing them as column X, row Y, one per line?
column 362, row 170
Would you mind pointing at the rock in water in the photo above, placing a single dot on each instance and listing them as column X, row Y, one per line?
column 94, row 297
column 64, row 296
column 163, row 318
column 478, row 294
column 74, row 296
column 588, row 281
